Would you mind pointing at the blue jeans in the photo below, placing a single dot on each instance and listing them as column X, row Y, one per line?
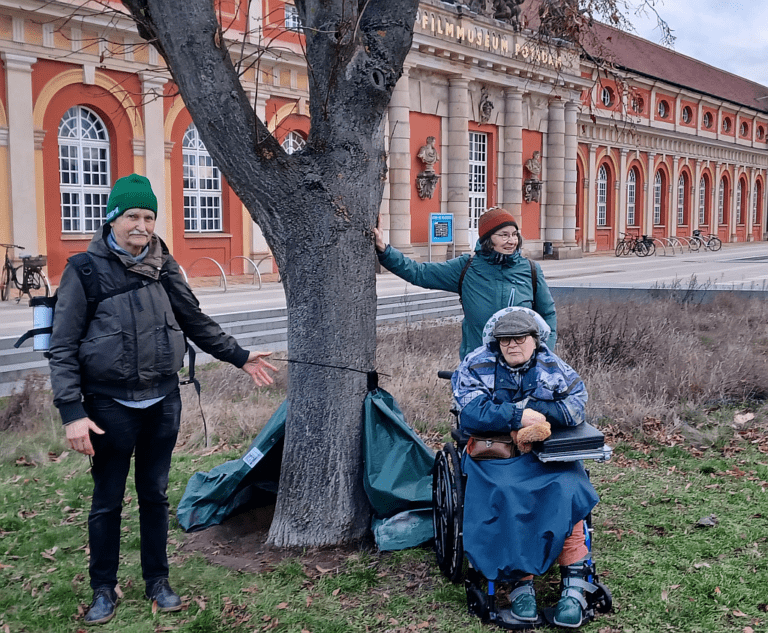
column 150, row 434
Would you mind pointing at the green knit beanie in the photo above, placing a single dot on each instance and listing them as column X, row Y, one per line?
column 130, row 192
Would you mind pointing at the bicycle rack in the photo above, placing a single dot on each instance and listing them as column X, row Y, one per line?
column 675, row 242
column 660, row 241
column 223, row 281
column 266, row 257
column 256, row 272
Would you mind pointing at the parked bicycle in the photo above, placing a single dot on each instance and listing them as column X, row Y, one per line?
column 33, row 280
column 631, row 244
column 710, row 241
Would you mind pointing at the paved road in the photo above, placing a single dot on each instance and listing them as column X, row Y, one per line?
column 736, row 266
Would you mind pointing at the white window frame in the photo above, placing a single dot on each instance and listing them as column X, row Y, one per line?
column 657, row 182
column 202, row 186
column 606, row 97
column 755, row 205
column 84, row 170
column 721, row 202
column 631, row 197
column 293, row 142
column 681, row 200
column 739, row 200
column 478, row 180
column 292, row 20
column 602, row 196
column 702, row 201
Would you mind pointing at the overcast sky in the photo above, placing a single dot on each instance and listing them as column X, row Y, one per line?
column 728, row 34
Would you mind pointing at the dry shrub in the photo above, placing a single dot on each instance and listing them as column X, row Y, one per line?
column 664, row 357
column 235, row 411
column 411, row 355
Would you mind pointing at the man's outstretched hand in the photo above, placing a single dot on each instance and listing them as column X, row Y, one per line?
column 256, row 367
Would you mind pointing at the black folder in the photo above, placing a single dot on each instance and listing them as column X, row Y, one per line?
column 569, row 439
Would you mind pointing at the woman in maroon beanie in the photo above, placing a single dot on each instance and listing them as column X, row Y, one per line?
column 495, row 277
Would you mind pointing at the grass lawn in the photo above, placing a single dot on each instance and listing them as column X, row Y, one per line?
column 666, row 572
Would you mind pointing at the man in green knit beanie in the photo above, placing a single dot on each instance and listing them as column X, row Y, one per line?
column 114, row 375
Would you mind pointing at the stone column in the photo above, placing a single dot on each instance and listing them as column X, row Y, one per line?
column 714, row 225
column 750, row 205
column 569, row 182
column 555, row 173
column 732, row 217
column 258, row 245
column 400, row 166
column 590, row 201
column 21, row 152
column 154, row 146
column 513, row 152
column 457, row 161
column 695, row 196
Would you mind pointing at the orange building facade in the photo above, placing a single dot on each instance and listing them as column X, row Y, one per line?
column 676, row 146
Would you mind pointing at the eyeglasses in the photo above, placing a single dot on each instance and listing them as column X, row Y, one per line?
column 506, row 237
column 506, row 341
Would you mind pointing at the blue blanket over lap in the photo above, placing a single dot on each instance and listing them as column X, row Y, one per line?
column 518, row 512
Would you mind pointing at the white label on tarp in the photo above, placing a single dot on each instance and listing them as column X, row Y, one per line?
column 253, row 457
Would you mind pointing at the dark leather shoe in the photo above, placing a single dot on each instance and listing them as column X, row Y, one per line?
column 102, row 608
column 166, row 598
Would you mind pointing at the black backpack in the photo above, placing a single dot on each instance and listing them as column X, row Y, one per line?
column 83, row 265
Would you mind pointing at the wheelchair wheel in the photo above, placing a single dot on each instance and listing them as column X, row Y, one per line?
column 602, row 600
column 448, row 512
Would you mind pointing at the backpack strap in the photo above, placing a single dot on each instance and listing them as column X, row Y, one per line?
column 461, row 277
column 534, row 283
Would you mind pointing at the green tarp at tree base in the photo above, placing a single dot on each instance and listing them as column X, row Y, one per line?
column 397, row 477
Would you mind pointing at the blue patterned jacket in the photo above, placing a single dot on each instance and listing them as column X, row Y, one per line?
column 491, row 396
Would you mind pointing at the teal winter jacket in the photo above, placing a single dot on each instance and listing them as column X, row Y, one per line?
column 490, row 284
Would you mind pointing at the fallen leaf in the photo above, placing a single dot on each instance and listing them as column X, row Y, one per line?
column 739, row 614
column 154, row 607
column 282, row 605
column 322, row 570
column 664, row 595
column 717, row 590
column 309, row 601
column 119, row 592
column 335, row 592
column 748, row 629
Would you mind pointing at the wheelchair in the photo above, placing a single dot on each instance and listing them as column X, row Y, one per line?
column 448, row 485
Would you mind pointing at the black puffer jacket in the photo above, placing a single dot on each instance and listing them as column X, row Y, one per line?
column 134, row 346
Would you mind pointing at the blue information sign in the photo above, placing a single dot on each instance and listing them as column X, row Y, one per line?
column 441, row 228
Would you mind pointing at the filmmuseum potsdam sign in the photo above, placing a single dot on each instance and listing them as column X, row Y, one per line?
column 458, row 30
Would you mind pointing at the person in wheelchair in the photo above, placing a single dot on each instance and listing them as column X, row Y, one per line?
column 520, row 515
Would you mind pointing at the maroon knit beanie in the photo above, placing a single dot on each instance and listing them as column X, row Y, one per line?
column 493, row 220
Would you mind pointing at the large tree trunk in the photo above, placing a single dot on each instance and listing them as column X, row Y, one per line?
column 316, row 210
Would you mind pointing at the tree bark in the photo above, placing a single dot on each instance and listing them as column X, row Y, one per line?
column 316, row 209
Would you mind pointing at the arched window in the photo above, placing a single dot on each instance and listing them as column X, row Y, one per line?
column 757, row 195
column 681, row 185
column 657, row 187
column 702, row 201
column 202, row 185
column 293, row 142
column 631, row 196
column 721, row 201
column 602, row 196
column 84, row 181
column 740, row 199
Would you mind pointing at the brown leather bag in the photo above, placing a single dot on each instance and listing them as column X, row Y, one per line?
column 492, row 447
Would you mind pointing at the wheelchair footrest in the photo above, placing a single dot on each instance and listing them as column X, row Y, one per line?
column 505, row 619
